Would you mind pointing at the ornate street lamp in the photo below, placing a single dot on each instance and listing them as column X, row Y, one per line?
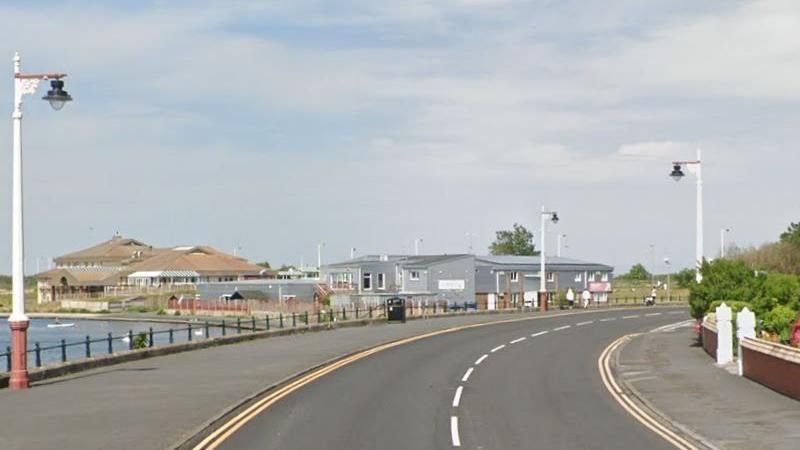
column 677, row 174
column 553, row 216
column 24, row 84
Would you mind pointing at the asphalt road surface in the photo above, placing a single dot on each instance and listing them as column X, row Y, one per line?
column 524, row 385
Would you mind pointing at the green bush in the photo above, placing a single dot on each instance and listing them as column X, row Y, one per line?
column 177, row 313
column 779, row 321
column 723, row 280
column 161, row 312
column 140, row 341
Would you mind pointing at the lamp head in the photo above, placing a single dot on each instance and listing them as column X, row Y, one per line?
column 554, row 217
column 57, row 96
column 677, row 173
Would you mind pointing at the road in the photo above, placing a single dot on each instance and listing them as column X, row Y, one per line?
column 522, row 385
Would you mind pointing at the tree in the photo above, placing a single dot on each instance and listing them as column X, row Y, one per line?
column 264, row 264
column 792, row 234
column 518, row 241
column 685, row 278
column 723, row 280
column 637, row 272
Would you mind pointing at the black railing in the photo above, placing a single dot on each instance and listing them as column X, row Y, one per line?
column 89, row 347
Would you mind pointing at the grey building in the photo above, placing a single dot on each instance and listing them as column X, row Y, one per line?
column 373, row 278
column 508, row 281
column 302, row 291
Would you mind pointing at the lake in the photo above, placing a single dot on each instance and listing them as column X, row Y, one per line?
column 96, row 329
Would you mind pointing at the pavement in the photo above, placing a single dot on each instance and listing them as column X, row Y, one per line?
column 672, row 374
column 159, row 403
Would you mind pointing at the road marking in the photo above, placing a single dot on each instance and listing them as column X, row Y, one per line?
column 218, row 435
column 562, row 328
column 630, row 317
column 454, row 431
column 676, row 312
column 580, row 324
column 515, row 341
column 609, row 319
column 539, row 333
column 457, row 397
column 499, row 347
column 622, row 398
column 480, row 360
column 652, row 314
column 467, row 374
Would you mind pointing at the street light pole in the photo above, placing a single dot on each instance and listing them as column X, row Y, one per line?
column 558, row 244
column 18, row 322
column 416, row 245
column 552, row 215
column 722, row 241
column 695, row 167
column 319, row 255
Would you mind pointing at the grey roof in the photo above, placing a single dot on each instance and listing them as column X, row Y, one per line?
column 428, row 260
column 512, row 260
column 407, row 260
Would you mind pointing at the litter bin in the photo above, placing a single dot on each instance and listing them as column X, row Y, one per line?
column 396, row 309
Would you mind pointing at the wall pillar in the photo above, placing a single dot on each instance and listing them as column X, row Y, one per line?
column 745, row 328
column 724, row 334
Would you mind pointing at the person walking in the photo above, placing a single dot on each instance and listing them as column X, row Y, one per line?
column 570, row 298
column 586, row 296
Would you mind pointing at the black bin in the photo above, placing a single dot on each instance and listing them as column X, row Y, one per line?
column 396, row 309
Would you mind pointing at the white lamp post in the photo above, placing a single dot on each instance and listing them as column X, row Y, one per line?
column 558, row 244
column 677, row 174
column 18, row 322
column 552, row 215
column 669, row 274
column 470, row 236
column 417, row 241
column 319, row 255
column 722, row 241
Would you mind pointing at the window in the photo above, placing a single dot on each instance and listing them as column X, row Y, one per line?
column 367, row 281
column 578, row 277
column 590, row 277
column 381, row 281
column 596, row 276
column 514, row 277
column 515, row 297
column 604, row 277
column 551, row 277
column 413, row 275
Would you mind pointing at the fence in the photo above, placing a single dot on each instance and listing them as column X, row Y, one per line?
column 39, row 356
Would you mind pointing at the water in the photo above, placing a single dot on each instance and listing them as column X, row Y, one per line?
column 98, row 330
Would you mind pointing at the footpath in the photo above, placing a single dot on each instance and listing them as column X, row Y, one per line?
column 670, row 373
column 160, row 402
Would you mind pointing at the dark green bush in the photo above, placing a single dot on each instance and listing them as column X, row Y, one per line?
column 779, row 321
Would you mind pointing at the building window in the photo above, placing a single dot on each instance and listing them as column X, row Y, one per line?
column 596, row 276
column 514, row 277
column 604, row 277
column 590, row 277
column 551, row 277
column 515, row 297
column 413, row 275
column 381, row 280
column 578, row 277
column 367, row 281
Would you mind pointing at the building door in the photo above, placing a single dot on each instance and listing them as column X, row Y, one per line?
column 491, row 302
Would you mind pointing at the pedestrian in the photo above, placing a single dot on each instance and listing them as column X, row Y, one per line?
column 570, row 298
column 653, row 295
column 586, row 296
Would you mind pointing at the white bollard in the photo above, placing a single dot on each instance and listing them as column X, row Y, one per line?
column 745, row 328
column 724, row 335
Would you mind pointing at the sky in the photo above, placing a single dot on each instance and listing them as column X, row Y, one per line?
column 270, row 127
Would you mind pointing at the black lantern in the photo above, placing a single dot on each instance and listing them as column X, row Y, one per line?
column 57, row 96
column 554, row 217
column 677, row 173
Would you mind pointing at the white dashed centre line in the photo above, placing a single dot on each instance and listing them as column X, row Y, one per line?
column 480, row 360
column 630, row 317
column 539, row 333
column 467, row 374
column 457, row 397
column 454, row 431
column 609, row 319
column 653, row 314
column 562, row 328
column 580, row 324
column 675, row 312
column 499, row 347
column 518, row 340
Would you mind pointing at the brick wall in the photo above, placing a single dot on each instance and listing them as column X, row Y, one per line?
column 776, row 366
column 709, row 331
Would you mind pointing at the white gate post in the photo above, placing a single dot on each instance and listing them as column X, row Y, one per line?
column 745, row 328
column 724, row 335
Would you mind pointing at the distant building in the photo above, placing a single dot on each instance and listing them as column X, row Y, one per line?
column 490, row 281
column 125, row 265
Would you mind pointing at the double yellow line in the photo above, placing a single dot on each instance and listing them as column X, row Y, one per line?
column 604, row 365
column 214, row 439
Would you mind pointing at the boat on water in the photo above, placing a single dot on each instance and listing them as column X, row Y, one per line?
column 60, row 325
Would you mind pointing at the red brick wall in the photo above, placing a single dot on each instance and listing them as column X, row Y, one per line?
column 709, row 341
column 772, row 371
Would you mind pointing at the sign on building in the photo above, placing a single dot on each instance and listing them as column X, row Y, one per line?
column 451, row 285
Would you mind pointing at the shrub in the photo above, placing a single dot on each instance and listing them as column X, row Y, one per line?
column 779, row 321
column 734, row 305
column 723, row 280
column 177, row 313
column 140, row 341
column 161, row 312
